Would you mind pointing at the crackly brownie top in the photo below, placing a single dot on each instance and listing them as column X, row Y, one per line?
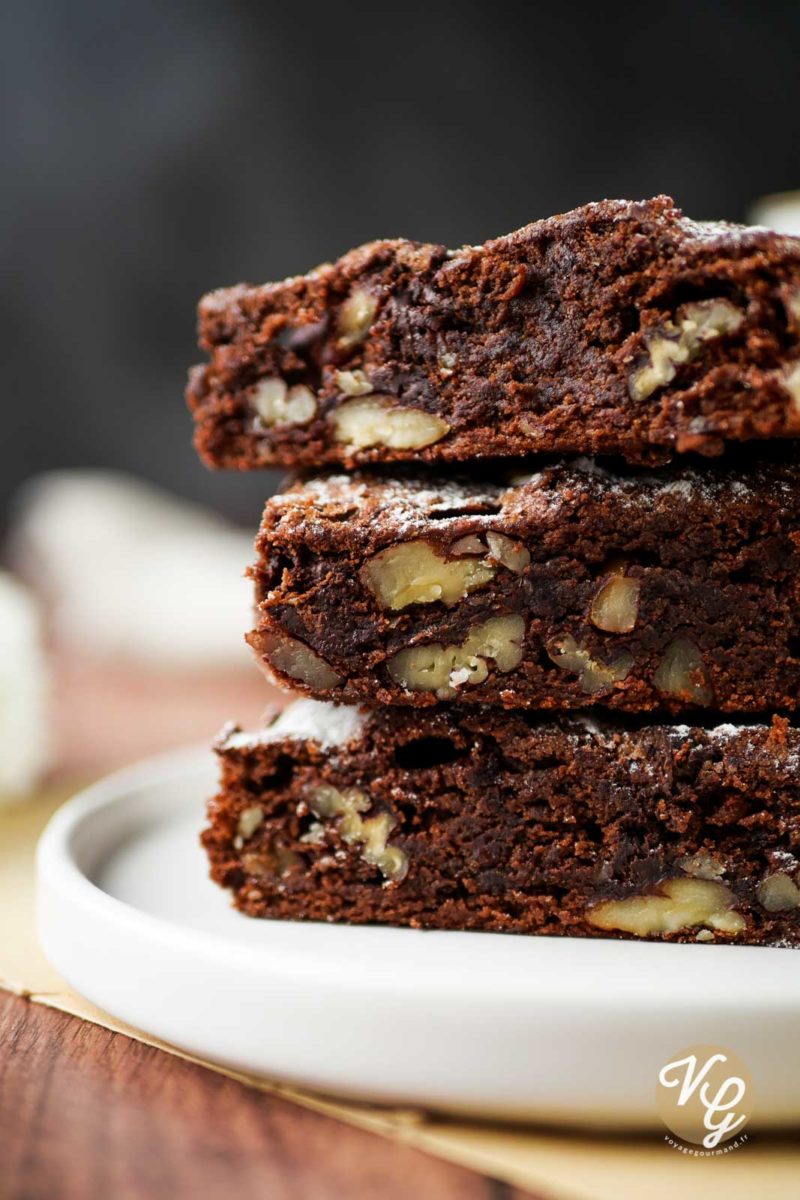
column 332, row 730
column 339, row 513
column 658, row 219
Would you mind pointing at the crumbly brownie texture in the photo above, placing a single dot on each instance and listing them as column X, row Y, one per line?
column 479, row 819
column 654, row 591
column 620, row 327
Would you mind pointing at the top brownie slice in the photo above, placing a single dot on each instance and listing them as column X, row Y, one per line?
column 619, row 328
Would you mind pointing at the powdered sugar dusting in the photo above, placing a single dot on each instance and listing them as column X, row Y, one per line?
column 723, row 231
column 406, row 506
column 442, row 494
column 717, row 732
column 403, row 506
column 589, row 724
column 786, row 755
column 303, row 721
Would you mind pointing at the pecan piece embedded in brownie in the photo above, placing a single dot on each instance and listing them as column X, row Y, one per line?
column 485, row 820
column 578, row 587
column 620, row 328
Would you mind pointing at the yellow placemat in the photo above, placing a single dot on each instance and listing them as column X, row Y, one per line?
column 560, row 1166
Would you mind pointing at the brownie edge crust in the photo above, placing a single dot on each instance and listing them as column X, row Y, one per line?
column 619, row 328
column 487, row 820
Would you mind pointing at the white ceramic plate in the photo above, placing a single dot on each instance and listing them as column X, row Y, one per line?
column 533, row 1028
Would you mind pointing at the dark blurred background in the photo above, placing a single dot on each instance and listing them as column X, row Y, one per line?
column 156, row 150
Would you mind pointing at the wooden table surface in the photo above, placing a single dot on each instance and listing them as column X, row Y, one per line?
column 86, row 1114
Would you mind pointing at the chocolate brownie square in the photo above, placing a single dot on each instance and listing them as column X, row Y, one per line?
column 620, row 328
column 478, row 819
column 570, row 588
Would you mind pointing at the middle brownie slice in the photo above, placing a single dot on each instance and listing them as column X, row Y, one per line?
column 566, row 588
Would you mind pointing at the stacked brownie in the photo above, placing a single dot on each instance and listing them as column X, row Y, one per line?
column 542, row 692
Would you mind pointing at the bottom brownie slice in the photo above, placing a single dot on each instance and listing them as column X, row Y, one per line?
column 482, row 819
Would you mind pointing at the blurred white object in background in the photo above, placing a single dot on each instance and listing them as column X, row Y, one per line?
column 24, row 730
column 780, row 211
column 146, row 606
column 130, row 573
